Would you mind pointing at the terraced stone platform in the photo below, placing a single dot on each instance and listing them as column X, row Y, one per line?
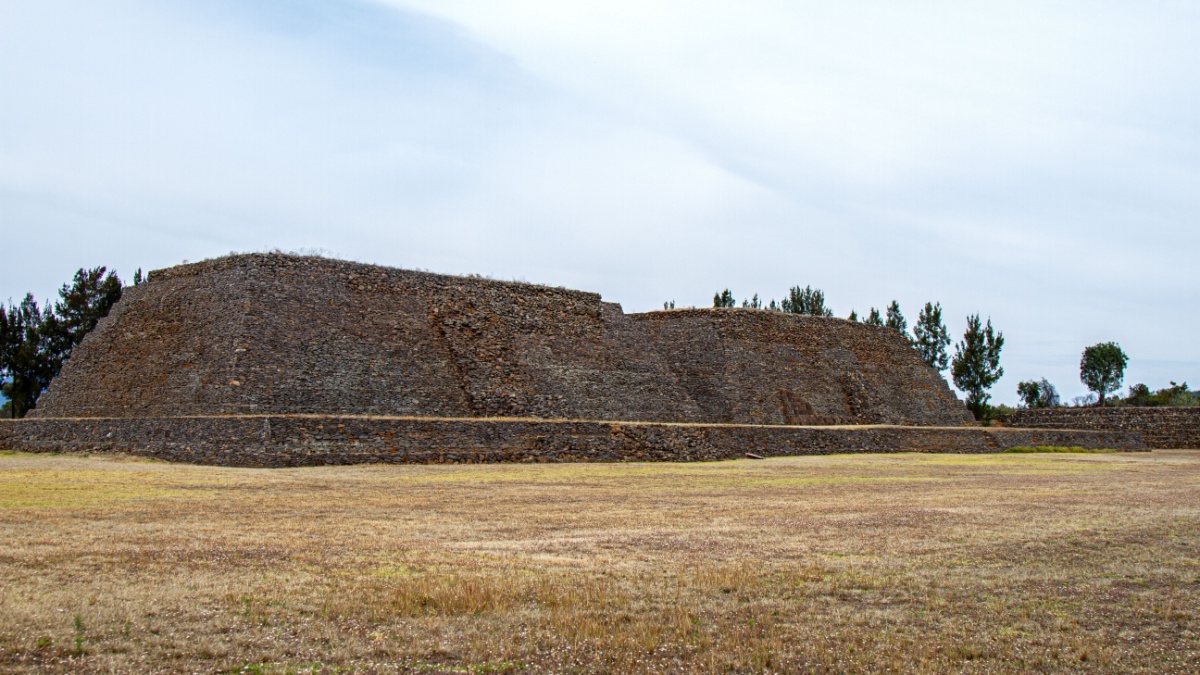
column 281, row 360
column 308, row 440
column 286, row 335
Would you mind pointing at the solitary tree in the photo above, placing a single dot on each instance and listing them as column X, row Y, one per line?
column 807, row 300
column 1038, row 394
column 1102, row 367
column 853, row 316
column 873, row 318
column 896, row 320
column 724, row 299
column 931, row 338
column 976, row 364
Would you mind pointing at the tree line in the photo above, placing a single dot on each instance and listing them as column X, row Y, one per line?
column 35, row 341
column 1102, row 370
column 974, row 366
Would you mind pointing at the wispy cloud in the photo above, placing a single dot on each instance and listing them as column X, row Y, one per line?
column 1032, row 161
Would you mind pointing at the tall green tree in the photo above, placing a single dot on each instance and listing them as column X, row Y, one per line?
column 1102, row 368
column 82, row 304
column 873, row 318
column 976, row 364
column 853, row 316
column 753, row 303
column 723, row 299
column 896, row 320
column 807, row 300
column 931, row 338
column 27, row 362
column 35, row 342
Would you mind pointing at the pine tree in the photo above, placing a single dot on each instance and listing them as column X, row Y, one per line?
column 27, row 361
column 35, row 342
column 723, row 299
column 873, row 318
column 896, row 320
column 752, row 303
column 83, row 303
column 807, row 300
column 976, row 364
column 853, row 316
column 931, row 337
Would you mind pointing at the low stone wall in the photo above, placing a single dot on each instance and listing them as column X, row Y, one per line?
column 307, row 440
column 1160, row 427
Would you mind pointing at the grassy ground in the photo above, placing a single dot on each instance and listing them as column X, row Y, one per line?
column 1001, row 563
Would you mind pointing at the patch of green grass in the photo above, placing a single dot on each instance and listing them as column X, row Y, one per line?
column 89, row 488
column 1022, row 449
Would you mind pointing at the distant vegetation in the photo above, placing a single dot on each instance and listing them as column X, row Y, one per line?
column 1038, row 394
column 1174, row 395
column 1102, row 369
column 976, row 361
column 975, row 364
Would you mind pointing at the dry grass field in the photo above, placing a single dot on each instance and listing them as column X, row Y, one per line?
column 886, row 563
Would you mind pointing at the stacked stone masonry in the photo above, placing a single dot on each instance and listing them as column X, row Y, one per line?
column 309, row 440
column 277, row 360
column 1160, row 427
column 277, row 334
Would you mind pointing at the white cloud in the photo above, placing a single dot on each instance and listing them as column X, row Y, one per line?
column 1032, row 161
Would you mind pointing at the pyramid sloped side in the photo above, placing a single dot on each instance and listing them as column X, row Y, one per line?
column 762, row 367
column 278, row 334
column 167, row 348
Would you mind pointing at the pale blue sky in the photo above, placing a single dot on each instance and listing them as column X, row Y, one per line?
column 1036, row 162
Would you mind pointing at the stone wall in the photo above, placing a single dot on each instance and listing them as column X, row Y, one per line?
column 282, row 335
column 307, row 440
column 1161, row 427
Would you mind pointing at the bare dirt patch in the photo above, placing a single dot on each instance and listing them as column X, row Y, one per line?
column 925, row 563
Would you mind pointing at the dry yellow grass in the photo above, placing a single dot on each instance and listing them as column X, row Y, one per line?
column 914, row 563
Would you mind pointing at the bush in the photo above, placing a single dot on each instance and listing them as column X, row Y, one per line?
column 1038, row 394
column 1177, row 395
